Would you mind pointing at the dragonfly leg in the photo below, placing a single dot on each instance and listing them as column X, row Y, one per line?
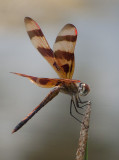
column 78, row 101
column 75, row 107
column 74, row 116
column 71, row 105
column 71, row 112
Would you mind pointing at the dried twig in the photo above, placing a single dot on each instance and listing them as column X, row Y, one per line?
column 80, row 154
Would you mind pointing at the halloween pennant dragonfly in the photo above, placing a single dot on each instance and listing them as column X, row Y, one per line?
column 61, row 58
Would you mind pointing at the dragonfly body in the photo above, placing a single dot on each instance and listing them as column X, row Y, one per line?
column 61, row 58
column 70, row 89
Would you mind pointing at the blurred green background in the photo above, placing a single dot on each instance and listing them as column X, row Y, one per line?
column 53, row 133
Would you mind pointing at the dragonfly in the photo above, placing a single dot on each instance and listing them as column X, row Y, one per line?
column 61, row 58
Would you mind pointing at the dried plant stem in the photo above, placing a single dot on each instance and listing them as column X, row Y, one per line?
column 80, row 154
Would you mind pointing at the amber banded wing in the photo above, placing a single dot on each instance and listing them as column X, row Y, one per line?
column 40, row 43
column 64, row 49
column 47, row 82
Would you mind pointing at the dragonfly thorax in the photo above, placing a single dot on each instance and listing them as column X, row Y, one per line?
column 69, row 88
column 74, row 88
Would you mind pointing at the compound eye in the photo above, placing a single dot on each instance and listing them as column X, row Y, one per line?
column 80, row 87
column 83, row 89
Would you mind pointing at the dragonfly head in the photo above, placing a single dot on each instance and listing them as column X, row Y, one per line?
column 83, row 89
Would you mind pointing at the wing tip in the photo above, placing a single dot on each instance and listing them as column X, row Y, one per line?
column 22, row 75
column 27, row 19
column 13, row 72
column 17, row 73
column 69, row 25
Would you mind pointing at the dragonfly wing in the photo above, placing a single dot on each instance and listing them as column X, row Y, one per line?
column 40, row 43
column 47, row 82
column 41, row 82
column 38, row 39
column 48, row 98
column 64, row 50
